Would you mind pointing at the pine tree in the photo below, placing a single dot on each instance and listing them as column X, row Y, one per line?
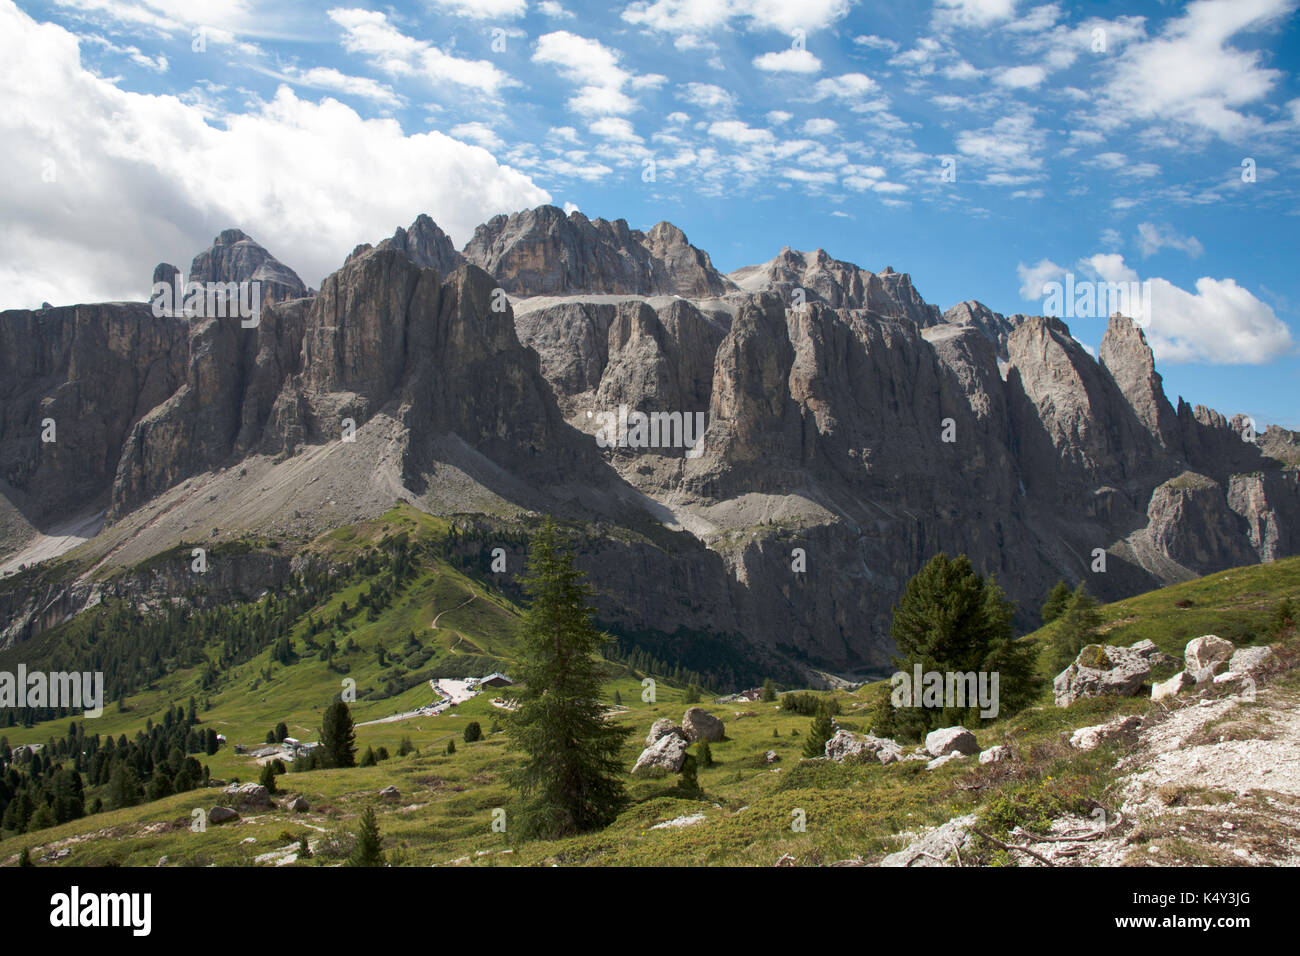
column 451, row 747
column 267, row 778
column 369, row 759
column 571, row 780
column 473, row 731
column 822, row 730
column 951, row 620
column 768, row 693
column 1077, row 627
column 338, row 737
column 1057, row 600
column 369, row 849
column 704, row 754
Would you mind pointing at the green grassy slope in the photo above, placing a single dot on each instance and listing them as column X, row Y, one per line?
column 444, row 811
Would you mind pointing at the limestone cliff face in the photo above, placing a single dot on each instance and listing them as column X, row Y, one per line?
column 93, row 371
column 235, row 257
column 862, row 429
column 544, row 252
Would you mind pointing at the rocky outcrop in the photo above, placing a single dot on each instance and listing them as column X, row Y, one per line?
column 993, row 326
column 544, row 252
column 1121, row 728
column 936, row 845
column 698, row 724
column 248, row 796
column 661, row 728
column 425, row 245
column 665, row 755
column 949, row 739
column 234, row 257
column 846, row 745
column 1102, row 670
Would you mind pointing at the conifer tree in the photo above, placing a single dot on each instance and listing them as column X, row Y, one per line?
column 369, row 849
column 338, row 745
column 571, row 779
column 951, row 620
column 1057, row 600
column 1077, row 627
column 822, row 730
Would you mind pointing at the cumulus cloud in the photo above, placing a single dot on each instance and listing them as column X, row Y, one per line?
column 788, row 61
column 597, row 69
column 99, row 184
column 1033, row 278
column 1191, row 75
column 1220, row 322
column 369, row 33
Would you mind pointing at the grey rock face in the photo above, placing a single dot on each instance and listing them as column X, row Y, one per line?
column 1101, row 670
column 234, row 257
column 947, row 739
column 1202, row 652
column 935, row 846
column 426, row 245
column 661, row 728
column 825, row 426
column 995, row 327
column 544, row 252
column 698, row 724
column 1121, row 728
column 1251, row 660
column 846, row 745
column 666, row 755
column 250, row 796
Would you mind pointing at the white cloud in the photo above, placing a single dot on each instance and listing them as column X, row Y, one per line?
column 873, row 42
column 482, row 9
column 596, row 68
column 819, row 127
column 1013, row 142
column 1220, row 323
column 1021, row 77
column 972, row 13
column 788, row 61
column 701, row 16
column 734, row 131
column 1032, row 278
column 707, row 96
column 480, row 134
column 1191, row 75
column 369, row 33
column 328, row 78
column 1153, row 238
column 296, row 175
column 850, row 87
column 779, row 117
column 555, row 11
column 614, row 128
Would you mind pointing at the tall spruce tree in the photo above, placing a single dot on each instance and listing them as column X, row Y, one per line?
column 369, row 848
column 1057, row 600
column 822, row 730
column 1077, row 627
column 952, row 620
column 571, row 779
column 338, row 737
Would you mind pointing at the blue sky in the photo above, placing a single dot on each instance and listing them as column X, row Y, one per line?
column 984, row 146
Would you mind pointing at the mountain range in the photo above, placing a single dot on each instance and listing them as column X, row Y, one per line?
column 852, row 431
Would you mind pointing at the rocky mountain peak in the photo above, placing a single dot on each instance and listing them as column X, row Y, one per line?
column 426, row 245
column 544, row 252
column 235, row 257
column 1127, row 356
